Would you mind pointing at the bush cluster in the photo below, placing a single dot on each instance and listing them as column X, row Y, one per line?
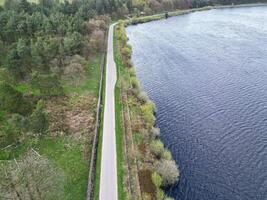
column 165, row 170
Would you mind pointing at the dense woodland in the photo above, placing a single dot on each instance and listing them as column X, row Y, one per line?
column 45, row 53
column 50, row 56
column 42, row 46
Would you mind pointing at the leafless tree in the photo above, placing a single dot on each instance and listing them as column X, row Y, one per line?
column 33, row 178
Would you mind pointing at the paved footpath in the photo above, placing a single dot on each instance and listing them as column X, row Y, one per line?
column 108, row 177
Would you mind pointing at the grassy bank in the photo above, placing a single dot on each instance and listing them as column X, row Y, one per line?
column 119, row 143
column 139, row 149
column 144, row 19
column 100, row 138
column 118, row 126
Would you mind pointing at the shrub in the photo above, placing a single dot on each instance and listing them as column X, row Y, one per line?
column 12, row 100
column 166, row 155
column 19, row 123
column 72, row 43
column 127, row 51
column 142, row 96
column 6, row 77
column 146, row 196
column 135, row 83
column 12, row 130
column 132, row 72
column 48, row 84
column 32, row 177
column 169, row 172
column 97, row 41
column 38, row 119
column 155, row 132
column 74, row 73
column 122, row 33
column 157, row 148
column 145, row 135
column 156, row 179
column 148, row 113
column 160, row 194
column 129, row 63
column 8, row 135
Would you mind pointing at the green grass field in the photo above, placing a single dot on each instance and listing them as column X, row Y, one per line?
column 65, row 153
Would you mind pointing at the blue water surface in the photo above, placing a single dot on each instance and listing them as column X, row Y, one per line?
column 207, row 74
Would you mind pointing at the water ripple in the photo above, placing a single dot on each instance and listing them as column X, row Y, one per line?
column 207, row 74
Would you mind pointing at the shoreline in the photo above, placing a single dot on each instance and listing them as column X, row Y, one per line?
column 155, row 17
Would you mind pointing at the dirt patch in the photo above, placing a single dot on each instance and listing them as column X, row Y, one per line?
column 81, row 117
column 71, row 115
column 56, row 109
column 146, row 184
column 142, row 148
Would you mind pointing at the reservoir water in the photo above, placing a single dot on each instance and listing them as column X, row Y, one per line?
column 207, row 74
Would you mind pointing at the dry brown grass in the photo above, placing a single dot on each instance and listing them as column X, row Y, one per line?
column 146, row 184
column 71, row 115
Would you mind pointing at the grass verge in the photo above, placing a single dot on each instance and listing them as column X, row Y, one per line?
column 119, row 131
column 144, row 19
column 100, row 138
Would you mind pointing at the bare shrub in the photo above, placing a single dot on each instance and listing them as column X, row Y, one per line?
column 32, row 177
column 142, row 96
column 97, row 41
column 155, row 5
column 135, row 83
column 155, row 132
column 132, row 72
column 145, row 135
column 94, row 24
column 167, row 4
column 74, row 72
column 100, row 22
column 169, row 172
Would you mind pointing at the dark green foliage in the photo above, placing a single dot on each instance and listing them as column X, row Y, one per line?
column 13, row 64
column 12, row 100
column 11, row 131
column 73, row 43
column 38, row 119
column 19, row 123
column 8, row 135
column 37, row 43
column 6, row 77
column 47, row 84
